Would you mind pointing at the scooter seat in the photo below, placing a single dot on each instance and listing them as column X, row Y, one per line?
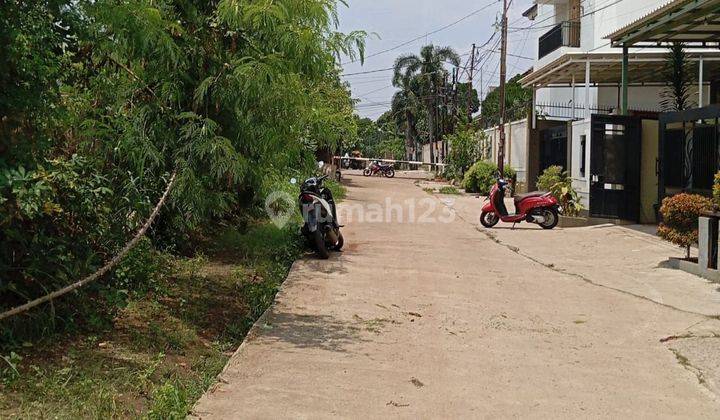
column 520, row 197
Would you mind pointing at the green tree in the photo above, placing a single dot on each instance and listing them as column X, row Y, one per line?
column 406, row 108
column 517, row 102
column 428, row 68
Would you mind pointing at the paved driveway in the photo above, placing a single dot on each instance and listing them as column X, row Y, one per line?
column 433, row 318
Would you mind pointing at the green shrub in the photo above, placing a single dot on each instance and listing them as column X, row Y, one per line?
column 680, row 219
column 550, row 177
column 481, row 177
column 559, row 183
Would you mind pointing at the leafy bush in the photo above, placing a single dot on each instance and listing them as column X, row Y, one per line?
column 481, row 177
column 680, row 218
column 463, row 152
column 559, row 183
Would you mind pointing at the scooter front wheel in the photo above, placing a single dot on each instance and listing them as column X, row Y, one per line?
column 367, row 172
column 489, row 219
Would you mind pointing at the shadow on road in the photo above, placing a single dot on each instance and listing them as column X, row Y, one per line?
column 323, row 332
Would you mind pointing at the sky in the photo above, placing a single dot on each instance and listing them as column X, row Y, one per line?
column 395, row 22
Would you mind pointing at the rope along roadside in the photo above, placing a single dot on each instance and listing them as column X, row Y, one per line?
column 104, row 269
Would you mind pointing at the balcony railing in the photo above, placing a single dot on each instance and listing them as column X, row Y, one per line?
column 564, row 34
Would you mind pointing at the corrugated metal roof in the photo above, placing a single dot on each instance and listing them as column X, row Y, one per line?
column 690, row 21
column 650, row 16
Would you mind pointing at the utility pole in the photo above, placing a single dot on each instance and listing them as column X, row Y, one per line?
column 455, row 104
column 503, row 71
column 470, row 86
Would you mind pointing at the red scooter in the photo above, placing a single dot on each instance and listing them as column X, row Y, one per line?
column 535, row 207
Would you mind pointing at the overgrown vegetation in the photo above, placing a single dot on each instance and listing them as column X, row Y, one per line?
column 163, row 347
column 559, row 183
column 101, row 101
column 482, row 176
column 680, row 219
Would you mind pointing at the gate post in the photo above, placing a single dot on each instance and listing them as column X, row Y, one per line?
column 708, row 242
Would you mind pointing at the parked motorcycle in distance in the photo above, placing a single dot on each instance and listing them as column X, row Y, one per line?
column 376, row 167
column 535, row 207
column 320, row 216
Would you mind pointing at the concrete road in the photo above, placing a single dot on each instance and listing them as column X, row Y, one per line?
column 433, row 318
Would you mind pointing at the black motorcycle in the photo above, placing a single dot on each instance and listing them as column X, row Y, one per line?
column 320, row 215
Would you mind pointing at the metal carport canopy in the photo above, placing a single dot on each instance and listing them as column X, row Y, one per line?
column 645, row 68
column 694, row 22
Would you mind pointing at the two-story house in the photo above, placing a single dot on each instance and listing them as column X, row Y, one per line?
column 577, row 81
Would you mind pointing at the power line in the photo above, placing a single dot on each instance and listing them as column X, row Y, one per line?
column 367, row 72
column 426, row 34
column 376, row 90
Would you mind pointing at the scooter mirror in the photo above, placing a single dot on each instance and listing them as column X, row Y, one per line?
column 321, row 164
column 293, row 181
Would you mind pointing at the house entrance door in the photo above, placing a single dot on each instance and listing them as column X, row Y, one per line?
column 615, row 167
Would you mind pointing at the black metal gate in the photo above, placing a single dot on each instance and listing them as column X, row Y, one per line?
column 690, row 145
column 615, row 167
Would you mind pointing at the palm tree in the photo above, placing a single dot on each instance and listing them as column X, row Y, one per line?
column 428, row 70
column 405, row 109
column 679, row 77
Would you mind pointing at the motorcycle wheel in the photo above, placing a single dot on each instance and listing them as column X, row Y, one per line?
column 340, row 242
column 390, row 173
column 367, row 172
column 320, row 247
column 551, row 218
column 489, row 219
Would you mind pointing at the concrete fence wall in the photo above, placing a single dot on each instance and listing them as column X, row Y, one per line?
column 516, row 146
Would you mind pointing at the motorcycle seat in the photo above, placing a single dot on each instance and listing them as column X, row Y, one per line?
column 520, row 197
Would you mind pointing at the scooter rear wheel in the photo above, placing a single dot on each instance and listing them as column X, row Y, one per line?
column 489, row 219
column 551, row 218
column 390, row 173
column 340, row 242
column 320, row 246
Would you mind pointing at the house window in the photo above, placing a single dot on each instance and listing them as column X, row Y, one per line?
column 582, row 154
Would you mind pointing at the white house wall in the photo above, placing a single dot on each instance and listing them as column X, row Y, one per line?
column 581, row 183
column 608, row 17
